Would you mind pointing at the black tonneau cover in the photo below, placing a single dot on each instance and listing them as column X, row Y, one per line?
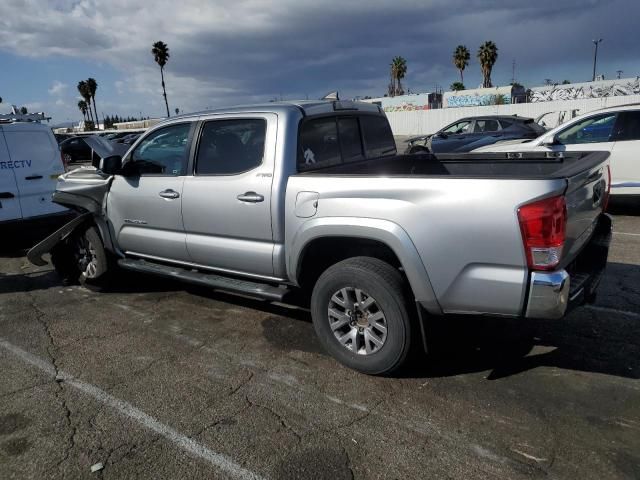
column 520, row 165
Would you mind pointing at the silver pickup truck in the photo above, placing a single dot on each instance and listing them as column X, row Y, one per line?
column 312, row 197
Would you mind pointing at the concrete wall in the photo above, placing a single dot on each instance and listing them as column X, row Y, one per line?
column 428, row 121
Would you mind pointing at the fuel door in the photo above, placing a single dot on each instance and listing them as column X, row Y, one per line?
column 306, row 204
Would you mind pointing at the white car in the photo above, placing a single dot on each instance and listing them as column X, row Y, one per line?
column 30, row 163
column 614, row 129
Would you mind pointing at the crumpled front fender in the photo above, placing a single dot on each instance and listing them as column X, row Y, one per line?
column 35, row 254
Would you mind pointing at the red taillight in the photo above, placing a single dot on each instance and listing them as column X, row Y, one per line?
column 605, row 202
column 543, row 224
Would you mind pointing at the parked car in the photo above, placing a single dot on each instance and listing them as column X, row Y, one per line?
column 62, row 136
column 615, row 130
column 469, row 133
column 30, row 164
column 312, row 197
column 75, row 149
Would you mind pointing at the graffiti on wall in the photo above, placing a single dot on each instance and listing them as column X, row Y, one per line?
column 405, row 107
column 567, row 92
column 476, row 100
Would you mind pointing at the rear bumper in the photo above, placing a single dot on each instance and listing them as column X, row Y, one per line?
column 553, row 294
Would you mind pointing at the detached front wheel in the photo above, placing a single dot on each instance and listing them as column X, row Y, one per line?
column 82, row 258
column 359, row 311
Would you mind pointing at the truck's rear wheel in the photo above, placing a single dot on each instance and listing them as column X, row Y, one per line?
column 82, row 258
column 359, row 311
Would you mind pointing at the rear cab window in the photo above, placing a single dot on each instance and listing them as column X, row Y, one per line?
column 334, row 140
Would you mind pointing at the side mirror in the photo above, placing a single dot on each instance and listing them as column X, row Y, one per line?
column 549, row 141
column 111, row 165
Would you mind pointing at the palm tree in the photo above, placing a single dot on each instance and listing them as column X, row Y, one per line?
column 398, row 72
column 92, row 86
column 82, row 106
column 461, row 58
column 84, row 93
column 160, row 53
column 487, row 55
column 457, row 86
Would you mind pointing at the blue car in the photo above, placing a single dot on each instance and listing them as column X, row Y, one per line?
column 470, row 133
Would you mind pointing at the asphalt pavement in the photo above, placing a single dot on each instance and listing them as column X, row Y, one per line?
column 160, row 380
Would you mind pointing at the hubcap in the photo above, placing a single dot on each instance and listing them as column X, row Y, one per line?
column 357, row 321
column 86, row 258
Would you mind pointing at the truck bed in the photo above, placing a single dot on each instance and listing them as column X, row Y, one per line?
column 529, row 165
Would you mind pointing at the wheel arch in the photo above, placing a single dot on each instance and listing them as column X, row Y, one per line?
column 324, row 241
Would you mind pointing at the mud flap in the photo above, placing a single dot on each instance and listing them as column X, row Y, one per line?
column 35, row 254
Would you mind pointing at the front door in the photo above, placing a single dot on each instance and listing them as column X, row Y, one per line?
column 9, row 201
column 144, row 205
column 625, row 157
column 227, row 199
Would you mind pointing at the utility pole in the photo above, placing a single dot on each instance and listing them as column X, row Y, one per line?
column 513, row 72
column 595, row 57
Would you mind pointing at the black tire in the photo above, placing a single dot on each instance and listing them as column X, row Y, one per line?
column 387, row 287
column 418, row 149
column 82, row 259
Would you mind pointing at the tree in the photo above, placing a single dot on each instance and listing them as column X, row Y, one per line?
column 23, row 110
column 82, row 106
column 84, row 93
column 177, row 110
column 487, row 55
column 92, row 86
column 457, row 86
column 461, row 58
column 566, row 82
column 398, row 72
column 160, row 53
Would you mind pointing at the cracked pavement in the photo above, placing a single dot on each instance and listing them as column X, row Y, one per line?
column 247, row 380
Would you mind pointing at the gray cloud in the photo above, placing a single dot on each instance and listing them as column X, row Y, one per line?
column 244, row 50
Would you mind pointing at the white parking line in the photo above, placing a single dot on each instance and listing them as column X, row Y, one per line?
column 629, row 234
column 124, row 408
column 614, row 310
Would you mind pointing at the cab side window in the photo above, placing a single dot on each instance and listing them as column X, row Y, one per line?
column 594, row 129
column 628, row 126
column 483, row 126
column 460, row 127
column 230, row 147
column 164, row 152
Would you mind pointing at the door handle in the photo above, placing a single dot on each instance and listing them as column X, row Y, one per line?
column 169, row 194
column 251, row 197
column 33, row 177
column 6, row 195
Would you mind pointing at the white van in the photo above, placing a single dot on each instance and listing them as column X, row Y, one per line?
column 30, row 163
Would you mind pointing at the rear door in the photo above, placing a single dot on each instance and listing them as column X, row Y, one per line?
column 9, row 202
column 145, row 207
column 36, row 163
column 227, row 200
column 625, row 156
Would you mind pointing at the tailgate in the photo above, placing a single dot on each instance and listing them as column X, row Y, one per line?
column 586, row 198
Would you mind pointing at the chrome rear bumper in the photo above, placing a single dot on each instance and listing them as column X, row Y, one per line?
column 552, row 294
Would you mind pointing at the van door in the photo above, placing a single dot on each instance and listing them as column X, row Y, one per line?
column 227, row 201
column 9, row 203
column 36, row 164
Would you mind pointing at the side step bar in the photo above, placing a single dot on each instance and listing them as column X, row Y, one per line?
column 217, row 282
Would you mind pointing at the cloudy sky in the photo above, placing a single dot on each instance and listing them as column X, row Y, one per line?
column 237, row 51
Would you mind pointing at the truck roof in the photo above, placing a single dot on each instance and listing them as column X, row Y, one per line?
column 306, row 107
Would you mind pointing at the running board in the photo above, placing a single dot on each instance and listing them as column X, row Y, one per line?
column 218, row 282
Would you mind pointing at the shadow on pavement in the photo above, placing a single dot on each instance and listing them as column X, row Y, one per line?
column 624, row 206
